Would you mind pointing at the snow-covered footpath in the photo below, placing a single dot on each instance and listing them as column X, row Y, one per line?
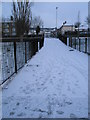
column 54, row 84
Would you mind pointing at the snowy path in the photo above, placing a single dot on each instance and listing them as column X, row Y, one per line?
column 54, row 84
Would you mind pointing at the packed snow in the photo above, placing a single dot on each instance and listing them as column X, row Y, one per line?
column 53, row 84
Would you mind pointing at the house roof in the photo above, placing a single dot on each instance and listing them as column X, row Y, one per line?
column 66, row 26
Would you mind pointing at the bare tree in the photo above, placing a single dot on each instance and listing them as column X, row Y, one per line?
column 37, row 21
column 77, row 25
column 22, row 16
column 88, row 21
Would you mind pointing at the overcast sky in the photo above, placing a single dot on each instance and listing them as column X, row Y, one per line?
column 47, row 11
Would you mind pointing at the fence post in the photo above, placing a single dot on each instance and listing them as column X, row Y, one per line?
column 40, row 44
column 36, row 46
column 33, row 47
column 29, row 50
column 15, row 59
column 43, row 40
column 25, row 53
column 79, row 43
column 75, row 43
column 71, row 41
column 85, row 45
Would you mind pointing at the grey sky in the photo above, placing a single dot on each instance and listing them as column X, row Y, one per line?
column 47, row 11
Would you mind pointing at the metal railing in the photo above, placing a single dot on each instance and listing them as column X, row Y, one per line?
column 16, row 51
column 80, row 43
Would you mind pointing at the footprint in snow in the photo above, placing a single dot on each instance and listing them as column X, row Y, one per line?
column 36, row 80
column 42, row 84
column 33, row 70
column 29, row 65
column 59, row 73
column 12, row 113
column 37, row 65
column 54, row 77
column 72, row 115
column 54, row 94
column 76, row 84
column 68, row 88
column 73, row 92
column 44, row 88
column 18, row 104
column 69, row 103
column 5, row 103
column 21, row 114
column 51, row 81
column 21, row 87
column 40, row 115
column 14, row 108
column 60, row 112
column 33, row 74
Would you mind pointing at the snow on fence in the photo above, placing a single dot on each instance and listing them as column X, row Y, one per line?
column 80, row 44
column 17, row 51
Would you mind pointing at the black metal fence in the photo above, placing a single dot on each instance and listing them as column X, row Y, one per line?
column 80, row 43
column 16, row 51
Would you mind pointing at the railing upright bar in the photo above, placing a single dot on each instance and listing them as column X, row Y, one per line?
column 25, row 53
column 85, row 45
column 75, row 42
column 79, row 43
column 15, row 59
column 71, row 41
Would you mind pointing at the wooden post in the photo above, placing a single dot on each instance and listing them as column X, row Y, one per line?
column 79, row 43
column 15, row 59
column 85, row 45
column 25, row 53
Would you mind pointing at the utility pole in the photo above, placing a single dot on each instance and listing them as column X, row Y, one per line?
column 78, row 20
column 56, row 21
column 56, row 17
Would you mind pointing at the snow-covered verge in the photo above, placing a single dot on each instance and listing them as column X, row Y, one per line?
column 54, row 84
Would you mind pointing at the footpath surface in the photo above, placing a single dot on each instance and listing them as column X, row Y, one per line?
column 53, row 84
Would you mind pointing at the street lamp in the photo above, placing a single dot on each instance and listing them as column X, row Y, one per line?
column 64, row 22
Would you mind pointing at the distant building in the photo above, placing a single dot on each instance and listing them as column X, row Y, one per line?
column 8, row 28
column 65, row 28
